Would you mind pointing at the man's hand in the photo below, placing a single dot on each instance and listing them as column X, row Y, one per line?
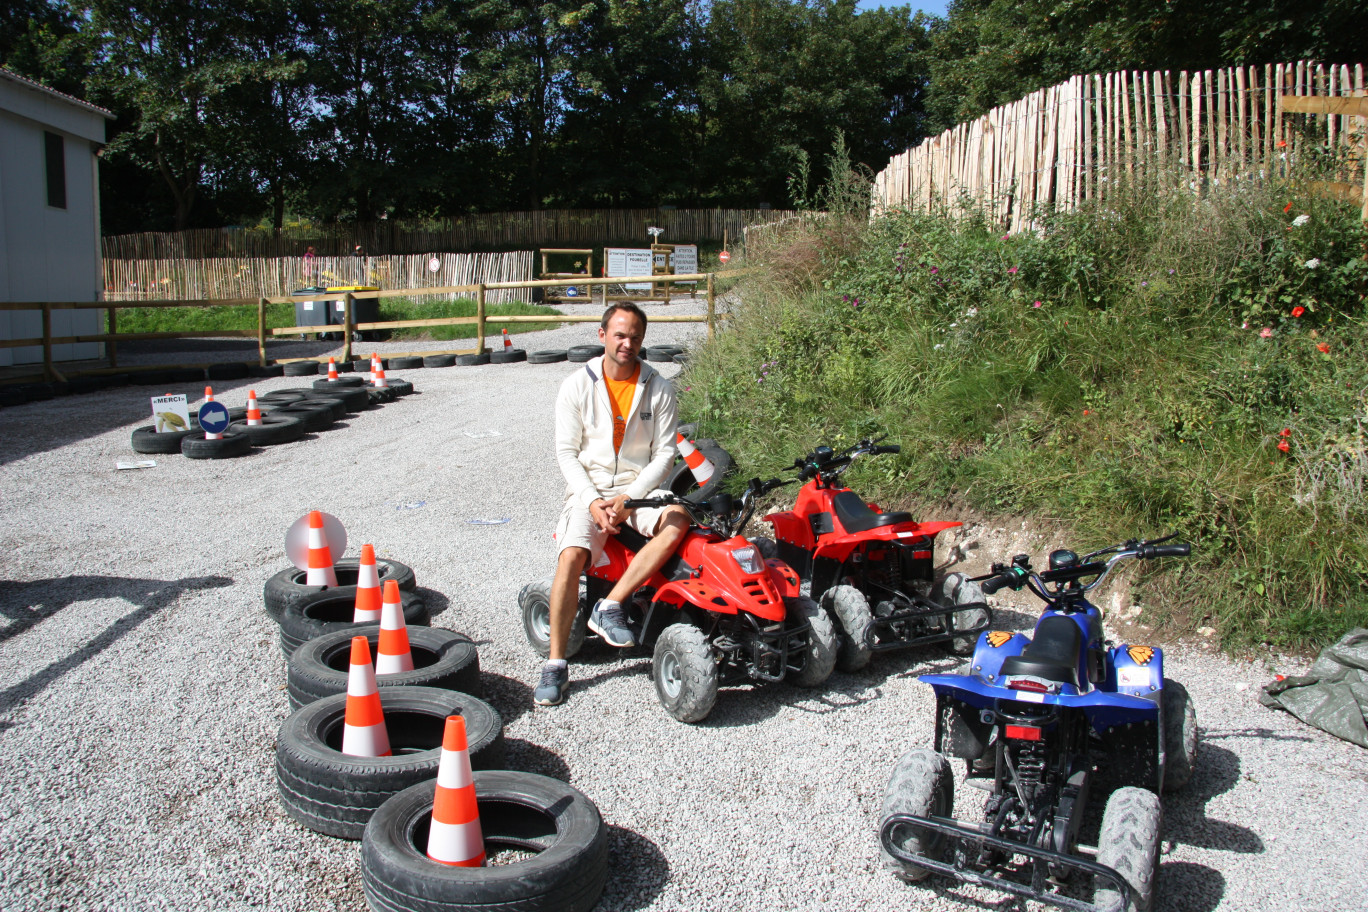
column 604, row 515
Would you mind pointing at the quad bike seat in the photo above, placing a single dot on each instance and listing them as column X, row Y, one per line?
column 674, row 567
column 856, row 516
column 1052, row 655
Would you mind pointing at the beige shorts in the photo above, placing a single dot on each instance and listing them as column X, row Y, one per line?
column 577, row 529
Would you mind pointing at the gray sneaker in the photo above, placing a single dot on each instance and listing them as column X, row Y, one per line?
column 611, row 624
column 551, row 690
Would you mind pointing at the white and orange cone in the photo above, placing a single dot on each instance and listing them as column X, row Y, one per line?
column 392, row 654
column 320, row 572
column 363, row 727
column 378, row 376
column 454, row 838
column 367, row 588
column 508, row 343
column 699, row 464
column 332, row 369
column 375, row 365
column 253, row 410
column 209, row 397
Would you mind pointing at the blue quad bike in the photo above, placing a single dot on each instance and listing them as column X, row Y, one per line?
column 1043, row 724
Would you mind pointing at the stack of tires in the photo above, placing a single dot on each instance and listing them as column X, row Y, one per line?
column 387, row 801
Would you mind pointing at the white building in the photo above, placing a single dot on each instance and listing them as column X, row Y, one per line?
column 49, row 215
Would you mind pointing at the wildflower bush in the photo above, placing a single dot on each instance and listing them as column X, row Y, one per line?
column 1158, row 362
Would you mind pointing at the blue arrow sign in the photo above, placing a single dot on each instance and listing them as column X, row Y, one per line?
column 213, row 417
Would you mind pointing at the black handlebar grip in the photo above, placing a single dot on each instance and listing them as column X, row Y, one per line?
column 891, row 448
column 993, row 584
column 1152, row 551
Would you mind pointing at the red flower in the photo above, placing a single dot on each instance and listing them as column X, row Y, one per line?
column 1282, row 143
column 1282, row 445
column 1086, row 413
column 1285, row 432
column 1324, row 349
column 1298, row 311
column 1288, row 207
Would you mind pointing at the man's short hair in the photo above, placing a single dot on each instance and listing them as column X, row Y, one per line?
column 627, row 306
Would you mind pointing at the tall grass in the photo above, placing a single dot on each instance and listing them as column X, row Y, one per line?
column 1161, row 362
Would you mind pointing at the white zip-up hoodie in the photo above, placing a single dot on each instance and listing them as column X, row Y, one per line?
column 584, row 435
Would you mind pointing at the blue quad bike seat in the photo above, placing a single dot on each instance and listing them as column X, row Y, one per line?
column 1052, row 655
column 856, row 516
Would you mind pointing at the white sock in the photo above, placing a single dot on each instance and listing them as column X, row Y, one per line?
column 607, row 604
column 558, row 663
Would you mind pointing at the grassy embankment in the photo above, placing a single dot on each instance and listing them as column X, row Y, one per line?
column 1157, row 363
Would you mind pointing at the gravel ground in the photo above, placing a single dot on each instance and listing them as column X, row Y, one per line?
column 141, row 686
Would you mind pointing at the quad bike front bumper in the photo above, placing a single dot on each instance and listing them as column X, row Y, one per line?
column 967, row 846
column 911, row 615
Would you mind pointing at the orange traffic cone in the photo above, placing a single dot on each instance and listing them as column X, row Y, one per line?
column 253, row 410
column 454, row 838
column 320, row 572
column 392, row 654
column 378, row 376
column 332, row 369
column 209, row 397
column 367, row 588
column 699, row 464
column 375, row 364
column 508, row 343
column 363, row 726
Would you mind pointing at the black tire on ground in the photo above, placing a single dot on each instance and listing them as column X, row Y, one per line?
column 332, row 609
column 681, row 358
column 582, row 353
column 662, row 353
column 958, row 590
column 923, row 786
column 270, row 370
column 314, row 416
column 400, row 387
column 301, row 368
column 681, row 478
column 405, row 363
column 228, row 370
column 517, row 810
column 472, row 360
column 534, row 601
column 343, row 367
column 147, row 440
column 153, row 378
column 353, row 398
column 508, row 356
column 820, row 656
column 850, row 609
column 380, row 396
column 1129, row 844
column 188, row 374
column 1180, row 735
column 363, row 365
column 439, row 360
column 233, row 443
column 81, row 385
column 689, row 430
column 274, row 429
column 287, row 587
column 441, row 658
column 685, row 673
column 548, row 356
column 284, row 396
column 334, row 793
column 327, row 385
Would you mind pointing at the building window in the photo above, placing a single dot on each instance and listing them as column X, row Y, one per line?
column 55, row 149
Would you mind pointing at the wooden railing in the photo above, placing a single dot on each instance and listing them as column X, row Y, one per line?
column 347, row 327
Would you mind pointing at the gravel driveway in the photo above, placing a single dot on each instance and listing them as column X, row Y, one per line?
column 141, row 686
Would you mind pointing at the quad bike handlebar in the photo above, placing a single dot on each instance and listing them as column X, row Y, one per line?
column 724, row 514
column 827, row 463
column 1068, row 570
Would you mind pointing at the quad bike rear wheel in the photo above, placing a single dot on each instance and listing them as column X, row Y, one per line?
column 923, row 786
column 685, row 673
column 1180, row 735
column 820, row 657
column 535, row 602
column 851, row 610
column 957, row 591
column 1129, row 844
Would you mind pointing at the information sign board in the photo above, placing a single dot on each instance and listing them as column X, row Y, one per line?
column 627, row 261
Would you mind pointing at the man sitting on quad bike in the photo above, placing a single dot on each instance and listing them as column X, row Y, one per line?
column 615, row 441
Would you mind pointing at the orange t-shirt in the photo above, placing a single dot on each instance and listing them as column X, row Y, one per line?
column 620, row 395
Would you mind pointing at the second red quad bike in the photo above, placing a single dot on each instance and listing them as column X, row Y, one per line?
column 872, row 571
column 716, row 613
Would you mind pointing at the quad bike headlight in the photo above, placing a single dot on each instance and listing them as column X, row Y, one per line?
column 748, row 559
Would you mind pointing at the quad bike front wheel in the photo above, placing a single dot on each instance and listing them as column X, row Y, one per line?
column 1129, row 845
column 851, row 610
column 1180, row 735
column 970, row 610
column 923, row 786
column 685, row 673
column 535, row 602
column 820, row 656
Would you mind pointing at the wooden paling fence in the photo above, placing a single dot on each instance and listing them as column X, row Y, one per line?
column 549, row 227
column 1060, row 146
column 249, row 277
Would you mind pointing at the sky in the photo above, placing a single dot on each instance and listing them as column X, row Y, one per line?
column 930, row 7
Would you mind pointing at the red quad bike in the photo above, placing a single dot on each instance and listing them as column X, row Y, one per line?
column 716, row 613
column 872, row 571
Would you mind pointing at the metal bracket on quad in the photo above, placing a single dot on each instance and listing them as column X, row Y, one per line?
column 917, row 608
column 968, row 846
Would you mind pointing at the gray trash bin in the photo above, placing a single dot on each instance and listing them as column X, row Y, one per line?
column 309, row 312
column 364, row 310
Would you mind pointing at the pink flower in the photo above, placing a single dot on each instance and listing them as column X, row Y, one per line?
column 1266, row 332
column 1036, row 304
column 1012, row 271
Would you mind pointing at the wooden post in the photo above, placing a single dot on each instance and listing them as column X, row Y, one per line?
column 480, row 318
column 347, row 326
column 111, row 346
column 261, row 332
column 47, row 341
column 711, row 306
